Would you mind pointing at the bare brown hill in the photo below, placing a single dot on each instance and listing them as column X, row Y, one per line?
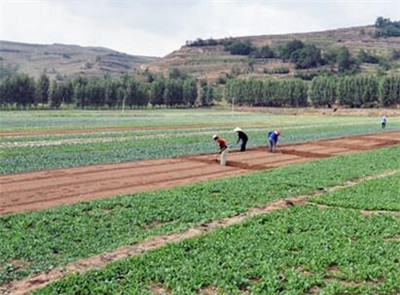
column 210, row 62
column 59, row 60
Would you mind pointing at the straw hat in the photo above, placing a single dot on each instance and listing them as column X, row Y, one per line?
column 237, row 129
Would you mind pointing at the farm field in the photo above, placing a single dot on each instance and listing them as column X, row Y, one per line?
column 294, row 251
column 28, row 122
column 280, row 207
column 44, row 239
column 46, row 140
column 364, row 195
column 42, row 189
column 221, row 147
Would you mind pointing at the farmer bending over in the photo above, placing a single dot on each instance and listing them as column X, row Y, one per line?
column 241, row 137
column 273, row 139
column 223, row 149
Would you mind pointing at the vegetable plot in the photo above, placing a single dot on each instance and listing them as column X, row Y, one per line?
column 44, row 239
column 378, row 194
column 293, row 251
column 38, row 152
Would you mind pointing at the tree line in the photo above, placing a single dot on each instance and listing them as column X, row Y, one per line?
column 350, row 91
column 356, row 91
column 23, row 91
column 179, row 90
column 268, row 92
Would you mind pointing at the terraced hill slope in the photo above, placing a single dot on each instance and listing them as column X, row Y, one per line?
column 211, row 62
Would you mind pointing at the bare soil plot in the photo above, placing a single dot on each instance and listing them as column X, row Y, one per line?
column 43, row 189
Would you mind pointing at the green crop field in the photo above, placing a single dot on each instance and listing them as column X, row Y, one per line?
column 236, row 164
column 325, row 245
column 292, row 251
column 47, row 238
column 77, row 119
column 379, row 194
column 38, row 152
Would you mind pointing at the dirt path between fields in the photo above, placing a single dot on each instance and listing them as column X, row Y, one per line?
column 40, row 280
column 43, row 189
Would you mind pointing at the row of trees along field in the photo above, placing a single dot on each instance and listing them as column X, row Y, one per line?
column 23, row 91
column 355, row 91
column 350, row 91
column 269, row 92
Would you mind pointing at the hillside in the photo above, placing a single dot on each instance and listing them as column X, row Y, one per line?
column 61, row 61
column 211, row 62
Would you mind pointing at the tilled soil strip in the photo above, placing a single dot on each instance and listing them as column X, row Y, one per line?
column 35, row 203
column 40, row 280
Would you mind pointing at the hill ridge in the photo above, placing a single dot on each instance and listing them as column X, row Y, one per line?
column 63, row 61
column 212, row 62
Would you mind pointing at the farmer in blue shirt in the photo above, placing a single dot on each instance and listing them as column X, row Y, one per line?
column 273, row 139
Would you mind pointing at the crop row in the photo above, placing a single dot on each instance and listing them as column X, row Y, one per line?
column 293, row 251
column 137, row 146
column 48, row 238
column 168, row 130
column 44, row 120
column 378, row 194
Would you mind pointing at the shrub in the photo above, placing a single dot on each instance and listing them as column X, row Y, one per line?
column 239, row 47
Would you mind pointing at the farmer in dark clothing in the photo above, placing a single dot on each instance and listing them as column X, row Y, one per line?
column 273, row 139
column 241, row 137
column 383, row 122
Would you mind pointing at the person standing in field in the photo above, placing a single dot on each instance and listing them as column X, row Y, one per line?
column 383, row 122
column 241, row 137
column 223, row 149
column 273, row 139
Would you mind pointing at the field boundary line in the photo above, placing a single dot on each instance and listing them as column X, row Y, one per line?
column 41, row 279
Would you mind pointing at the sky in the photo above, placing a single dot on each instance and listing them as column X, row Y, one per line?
column 157, row 27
